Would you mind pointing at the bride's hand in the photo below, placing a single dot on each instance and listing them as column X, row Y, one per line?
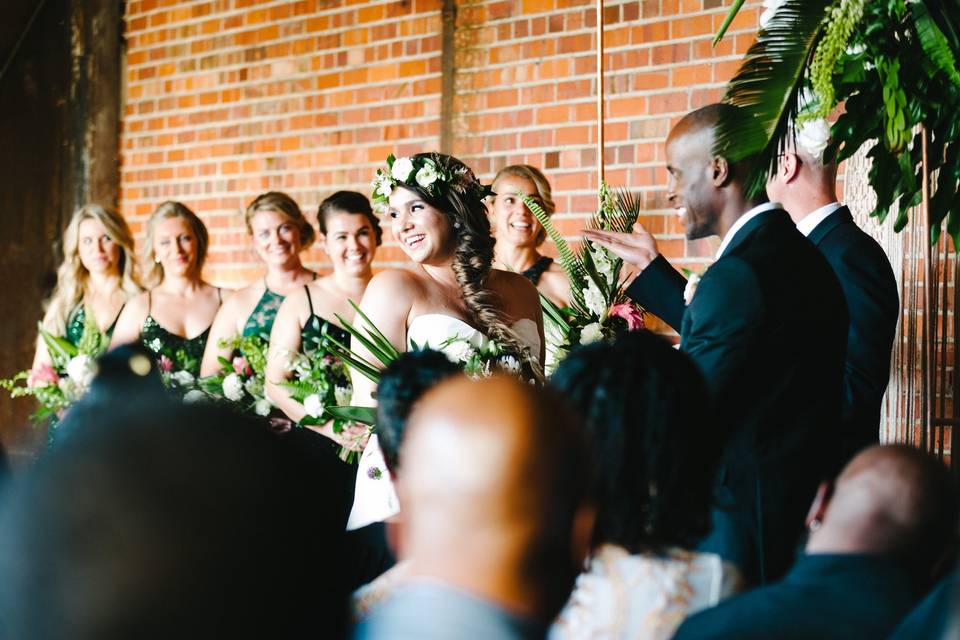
column 354, row 436
column 638, row 248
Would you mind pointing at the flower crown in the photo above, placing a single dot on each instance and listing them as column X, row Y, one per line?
column 430, row 174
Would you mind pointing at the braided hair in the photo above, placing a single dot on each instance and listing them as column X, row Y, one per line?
column 461, row 201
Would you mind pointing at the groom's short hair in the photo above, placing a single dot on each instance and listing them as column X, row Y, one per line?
column 709, row 117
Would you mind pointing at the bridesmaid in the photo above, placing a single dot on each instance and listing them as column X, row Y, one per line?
column 280, row 233
column 519, row 235
column 350, row 234
column 97, row 277
column 172, row 319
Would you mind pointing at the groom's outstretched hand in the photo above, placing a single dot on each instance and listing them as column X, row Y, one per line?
column 638, row 248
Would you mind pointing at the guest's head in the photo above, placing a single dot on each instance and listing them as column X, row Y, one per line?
column 892, row 500
column 279, row 229
column 175, row 244
column 96, row 242
column 513, row 222
column 402, row 383
column 436, row 205
column 803, row 182
column 494, row 484
column 646, row 410
column 153, row 518
column 349, row 231
column 703, row 184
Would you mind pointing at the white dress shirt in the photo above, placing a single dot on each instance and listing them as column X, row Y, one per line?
column 742, row 220
column 812, row 219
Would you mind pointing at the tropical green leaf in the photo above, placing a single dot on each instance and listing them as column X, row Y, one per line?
column 933, row 41
column 363, row 415
column 554, row 313
column 568, row 260
column 60, row 349
column 734, row 10
column 767, row 88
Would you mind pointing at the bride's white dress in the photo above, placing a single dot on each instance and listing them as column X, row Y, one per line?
column 375, row 499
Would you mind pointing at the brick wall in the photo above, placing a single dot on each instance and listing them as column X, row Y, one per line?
column 225, row 99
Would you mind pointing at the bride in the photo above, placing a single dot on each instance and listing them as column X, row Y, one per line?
column 438, row 217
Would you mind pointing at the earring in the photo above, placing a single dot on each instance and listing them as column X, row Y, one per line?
column 815, row 525
column 456, row 225
column 157, row 260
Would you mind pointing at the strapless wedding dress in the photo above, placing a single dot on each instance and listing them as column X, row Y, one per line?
column 375, row 499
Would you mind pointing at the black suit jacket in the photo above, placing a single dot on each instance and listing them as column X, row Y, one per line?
column 823, row 597
column 767, row 325
column 873, row 305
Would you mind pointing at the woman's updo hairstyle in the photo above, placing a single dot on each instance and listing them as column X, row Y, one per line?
column 461, row 200
column 352, row 203
column 286, row 206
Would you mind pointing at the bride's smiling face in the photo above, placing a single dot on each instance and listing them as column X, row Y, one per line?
column 424, row 232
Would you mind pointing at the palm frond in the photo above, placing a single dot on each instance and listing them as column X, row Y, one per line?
column 734, row 10
column 568, row 260
column 554, row 313
column 767, row 88
column 933, row 41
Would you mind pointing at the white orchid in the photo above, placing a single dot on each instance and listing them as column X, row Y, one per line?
column 233, row 387
column 603, row 263
column 401, row 169
column 263, row 407
column 82, row 369
column 591, row 333
column 313, row 405
column 593, row 298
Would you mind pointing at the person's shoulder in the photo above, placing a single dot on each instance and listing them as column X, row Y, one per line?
column 397, row 280
column 511, row 281
column 137, row 303
column 237, row 299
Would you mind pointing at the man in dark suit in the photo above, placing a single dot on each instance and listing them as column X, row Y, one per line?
column 872, row 547
column 773, row 367
column 806, row 188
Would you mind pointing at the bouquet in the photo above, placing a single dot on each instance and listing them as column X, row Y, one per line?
column 176, row 370
column 599, row 309
column 240, row 383
column 59, row 385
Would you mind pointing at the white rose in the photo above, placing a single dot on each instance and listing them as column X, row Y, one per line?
column 691, row 287
column 82, row 369
column 769, row 9
column 193, row 396
column 343, row 395
column 591, row 333
column 426, row 176
column 813, row 137
column 593, row 298
column 401, row 169
column 313, row 405
column 509, row 363
column 183, row 378
column 459, row 351
column 262, row 407
column 233, row 387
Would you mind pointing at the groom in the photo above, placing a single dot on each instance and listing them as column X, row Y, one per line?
column 767, row 325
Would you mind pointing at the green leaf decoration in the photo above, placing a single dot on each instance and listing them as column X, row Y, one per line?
column 734, row 10
column 571, row 265
column 933, row 41
column 362, row 415
column 767, row 88
column 60, row 349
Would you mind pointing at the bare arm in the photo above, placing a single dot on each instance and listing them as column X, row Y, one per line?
column 130, row 322
column 225, row 325
column 387, row 302
column 285, row 341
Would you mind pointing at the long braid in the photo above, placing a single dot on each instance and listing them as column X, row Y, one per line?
column 471, row 264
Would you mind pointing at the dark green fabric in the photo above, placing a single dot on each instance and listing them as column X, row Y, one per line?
column 260, row 321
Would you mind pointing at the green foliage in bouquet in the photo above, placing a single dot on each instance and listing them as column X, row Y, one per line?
column 240, row 383
column 598, row 306
column 850, row 53
column 321, row 381
column 59, row 385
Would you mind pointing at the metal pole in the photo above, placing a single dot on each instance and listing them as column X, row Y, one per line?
column 599, row 92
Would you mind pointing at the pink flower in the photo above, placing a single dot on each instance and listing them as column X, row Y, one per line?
column 42, row 375
column 630, row 313
column 241, row 367
column 165, row 364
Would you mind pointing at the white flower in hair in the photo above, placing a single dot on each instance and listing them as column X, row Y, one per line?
column 427, row 174
column 813, row 136
column 313, row 405
column 401, row 169
column 591, row 333
column 233, row 387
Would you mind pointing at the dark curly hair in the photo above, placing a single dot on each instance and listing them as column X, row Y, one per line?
column 348, row 202
column 646, row 410
column 473, row 257
column 402, row 383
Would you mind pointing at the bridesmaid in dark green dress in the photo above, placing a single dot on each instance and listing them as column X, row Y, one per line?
column 97, row 276
column 280, row 232
column 172, row 319
column 350, row 234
